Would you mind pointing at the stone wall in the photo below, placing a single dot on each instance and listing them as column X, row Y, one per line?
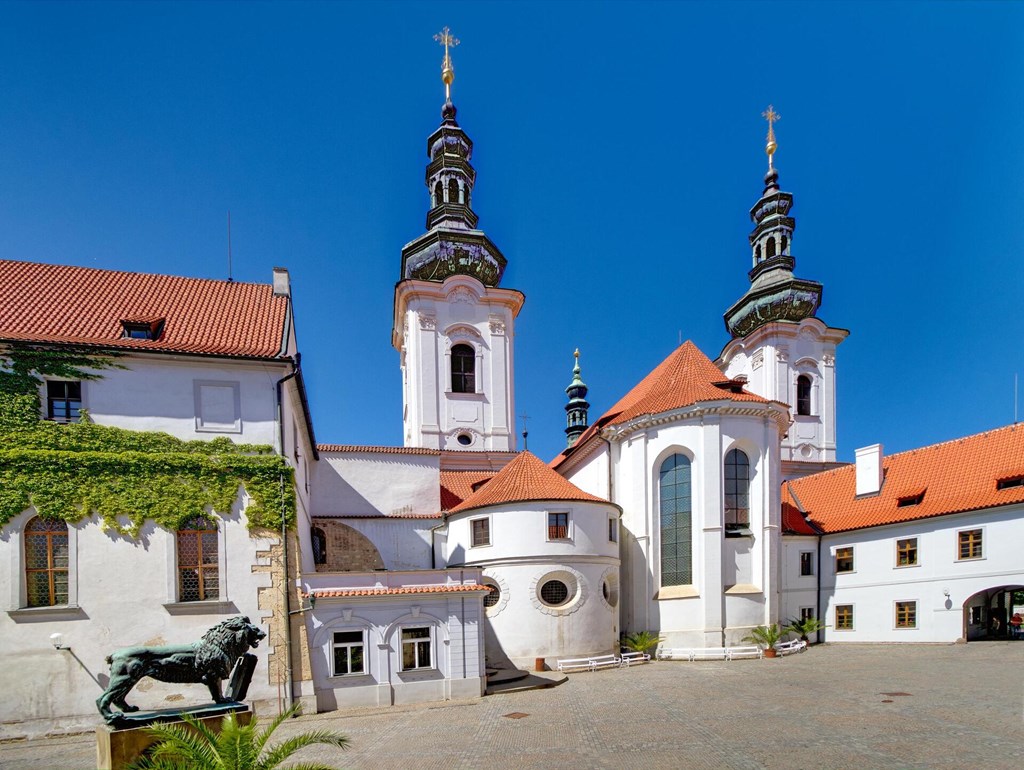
column 347, row 549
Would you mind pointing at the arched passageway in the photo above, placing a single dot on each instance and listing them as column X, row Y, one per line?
column 988, row 614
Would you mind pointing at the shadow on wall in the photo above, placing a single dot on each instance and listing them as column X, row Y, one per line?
column 637, row 582
column 494, row 654
column 347, row 550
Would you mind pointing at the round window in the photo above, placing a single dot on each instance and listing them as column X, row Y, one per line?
column 465, row 439
column 493, row 597
column 554, row 593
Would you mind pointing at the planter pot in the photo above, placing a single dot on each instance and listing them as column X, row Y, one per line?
column 771, row 652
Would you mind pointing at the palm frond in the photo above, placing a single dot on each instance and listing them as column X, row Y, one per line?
column 282, row 751
column 264, row 736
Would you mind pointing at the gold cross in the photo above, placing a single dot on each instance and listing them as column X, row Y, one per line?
column 445, row 38
column 771, row 116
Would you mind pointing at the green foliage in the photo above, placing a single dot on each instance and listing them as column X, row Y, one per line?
column 804, row 627
column 193, row 746
column 766, row 636
column 641, row 641
column 70, row 471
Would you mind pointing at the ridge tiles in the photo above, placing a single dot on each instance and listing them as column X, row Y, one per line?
column 956, row 476
column 524, row 479
column 86, row 306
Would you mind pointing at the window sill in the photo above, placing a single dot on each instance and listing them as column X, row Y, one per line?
column 216, row 607
column 972, row 558
column 743, row 531
column 905, row 566
column 743, row 588
column 677, row 592
column 53, row 612
column 351, row 678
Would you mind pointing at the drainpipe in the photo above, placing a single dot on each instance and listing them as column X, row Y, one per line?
column 433, row 531
column 817, row 605
column 289, row 695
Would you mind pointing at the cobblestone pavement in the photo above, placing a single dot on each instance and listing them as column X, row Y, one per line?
column 948, row 707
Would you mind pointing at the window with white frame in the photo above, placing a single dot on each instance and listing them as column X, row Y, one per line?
column 198, row 562
column 347, row 652
column 481, row 530
column 63, row 400
column 906, row 614
column 844, row 617
column 806, row 563
column 46, row 562
column 806, row 613
column 844, row 559
column 613, row 530
column 969, row 544
column 417, row 648
column 558, row 525
column 906, row 552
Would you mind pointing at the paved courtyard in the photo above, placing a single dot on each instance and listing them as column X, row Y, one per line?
column 946, row 707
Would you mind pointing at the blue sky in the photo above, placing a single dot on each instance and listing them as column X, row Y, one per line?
column 618, row 147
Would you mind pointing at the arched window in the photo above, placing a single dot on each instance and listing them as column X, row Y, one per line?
column 467, row 197
column 803, row 394
column 463, row 369
column 198, row 577
column 46, row 562
column 453, row 191
column 676, row 521
column 319, row 542
column 438, row 193
column 757, row 254
column 769, row 248
column 785, row 243
column 737, row 489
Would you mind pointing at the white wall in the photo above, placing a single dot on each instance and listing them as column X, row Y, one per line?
column 521, row 558
column 877, row 583
column 798, row 591
column 375, row 483
column 124, row 592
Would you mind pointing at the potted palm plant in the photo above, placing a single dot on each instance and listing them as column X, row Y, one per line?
column 641, row 641
column 766, row 637
column 804, row 627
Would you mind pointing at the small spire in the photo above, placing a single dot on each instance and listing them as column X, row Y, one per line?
column 445, row 38
column 771, row 116
column 576, row 408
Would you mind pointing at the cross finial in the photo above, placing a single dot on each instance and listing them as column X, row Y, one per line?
column 445, row 38
column 771, row 116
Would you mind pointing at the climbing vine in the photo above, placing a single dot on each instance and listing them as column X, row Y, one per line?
column 71, row 471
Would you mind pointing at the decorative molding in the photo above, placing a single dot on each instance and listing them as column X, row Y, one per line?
column 462, row 295
column 428, row 322
column 757, row 360
column 497, row 325
column 463, row 332
column 828, row 359
column 782, row 353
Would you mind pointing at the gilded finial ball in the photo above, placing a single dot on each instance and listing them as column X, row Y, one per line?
column 448, row 76
column 770, row 148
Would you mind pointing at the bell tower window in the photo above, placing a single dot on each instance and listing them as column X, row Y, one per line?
column 463, row 369
column 770, row 248
column 803, row 394
column 453, row 191
column 438, row 193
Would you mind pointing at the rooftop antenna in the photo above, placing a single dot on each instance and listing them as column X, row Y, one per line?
column 524, row 417
column 230, row 279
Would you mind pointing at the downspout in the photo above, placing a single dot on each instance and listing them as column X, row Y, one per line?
column 289, row 696
column 817, row 603
column 433, row 531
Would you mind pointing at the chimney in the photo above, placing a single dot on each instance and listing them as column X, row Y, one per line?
column 869, row 470
column 282, row 282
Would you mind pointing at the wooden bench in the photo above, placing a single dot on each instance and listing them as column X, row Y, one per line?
column 733, row 653
column 575, row 664
column 788, row 648
column 629, row 658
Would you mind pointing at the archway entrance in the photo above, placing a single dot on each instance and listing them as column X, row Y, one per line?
column 988, row 614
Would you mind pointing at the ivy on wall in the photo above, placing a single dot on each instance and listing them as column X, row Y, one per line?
column 72, row 471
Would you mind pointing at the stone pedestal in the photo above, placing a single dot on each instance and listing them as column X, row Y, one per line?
column 117, row 747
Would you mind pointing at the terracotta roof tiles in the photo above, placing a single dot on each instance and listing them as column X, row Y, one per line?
column 456, row 486
column 86, row 306
column 956, row 476
column 524, row 479
column 347, row 592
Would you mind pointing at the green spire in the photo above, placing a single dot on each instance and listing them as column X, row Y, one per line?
column 576, row 409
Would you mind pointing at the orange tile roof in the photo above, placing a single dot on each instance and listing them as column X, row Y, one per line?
column 524, row 479
column 384, row 450
column 794, row 523
column 685, row 378
column 445, row 589
column 86, row 306
column 377, row 516
column 456, row 486
column 956, row 476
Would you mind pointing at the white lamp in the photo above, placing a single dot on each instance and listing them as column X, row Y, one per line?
column 57, row 640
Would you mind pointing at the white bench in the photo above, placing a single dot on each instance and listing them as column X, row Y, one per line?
column 743, row 652
column 629, row 658
column 788, row 648
column 709, row 653
column 606, row 661
column 575, row 664
column 673, row 653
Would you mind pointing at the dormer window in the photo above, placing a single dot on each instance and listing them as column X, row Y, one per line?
column 1009, row 483
column 142, row 330
column 908, row 500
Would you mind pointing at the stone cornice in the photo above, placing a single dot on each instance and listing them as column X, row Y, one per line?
column 773, row 409
column 412, row 289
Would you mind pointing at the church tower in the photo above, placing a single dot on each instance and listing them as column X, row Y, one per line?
column 778, row 346
column 577, row 406
column 453, row 324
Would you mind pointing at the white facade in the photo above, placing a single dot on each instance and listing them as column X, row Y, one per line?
column 122, row 593
column 374, row 644
column 734, row 582
column 772, row 359
column 521, row 554
column 941, row 586
column 430, row 319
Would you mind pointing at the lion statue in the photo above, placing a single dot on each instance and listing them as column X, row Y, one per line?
column 209, row 661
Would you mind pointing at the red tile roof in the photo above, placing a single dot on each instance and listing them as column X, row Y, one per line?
column 384, row 450
column 456, row 486
column 524, row 479
column 956, row 476
column 685, row 378
column 85, row 306
column 445, row 589
column 794, row 523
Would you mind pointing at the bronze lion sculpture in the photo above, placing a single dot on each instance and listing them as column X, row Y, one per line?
column 208, row 660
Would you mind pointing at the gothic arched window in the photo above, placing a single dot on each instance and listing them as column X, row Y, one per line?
column 803, row 394
column 319, row 542
column 46, row 562
column 453, row 191
column 769, row 248
column 463, row 369
column 676, row 508
column 737, row 489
